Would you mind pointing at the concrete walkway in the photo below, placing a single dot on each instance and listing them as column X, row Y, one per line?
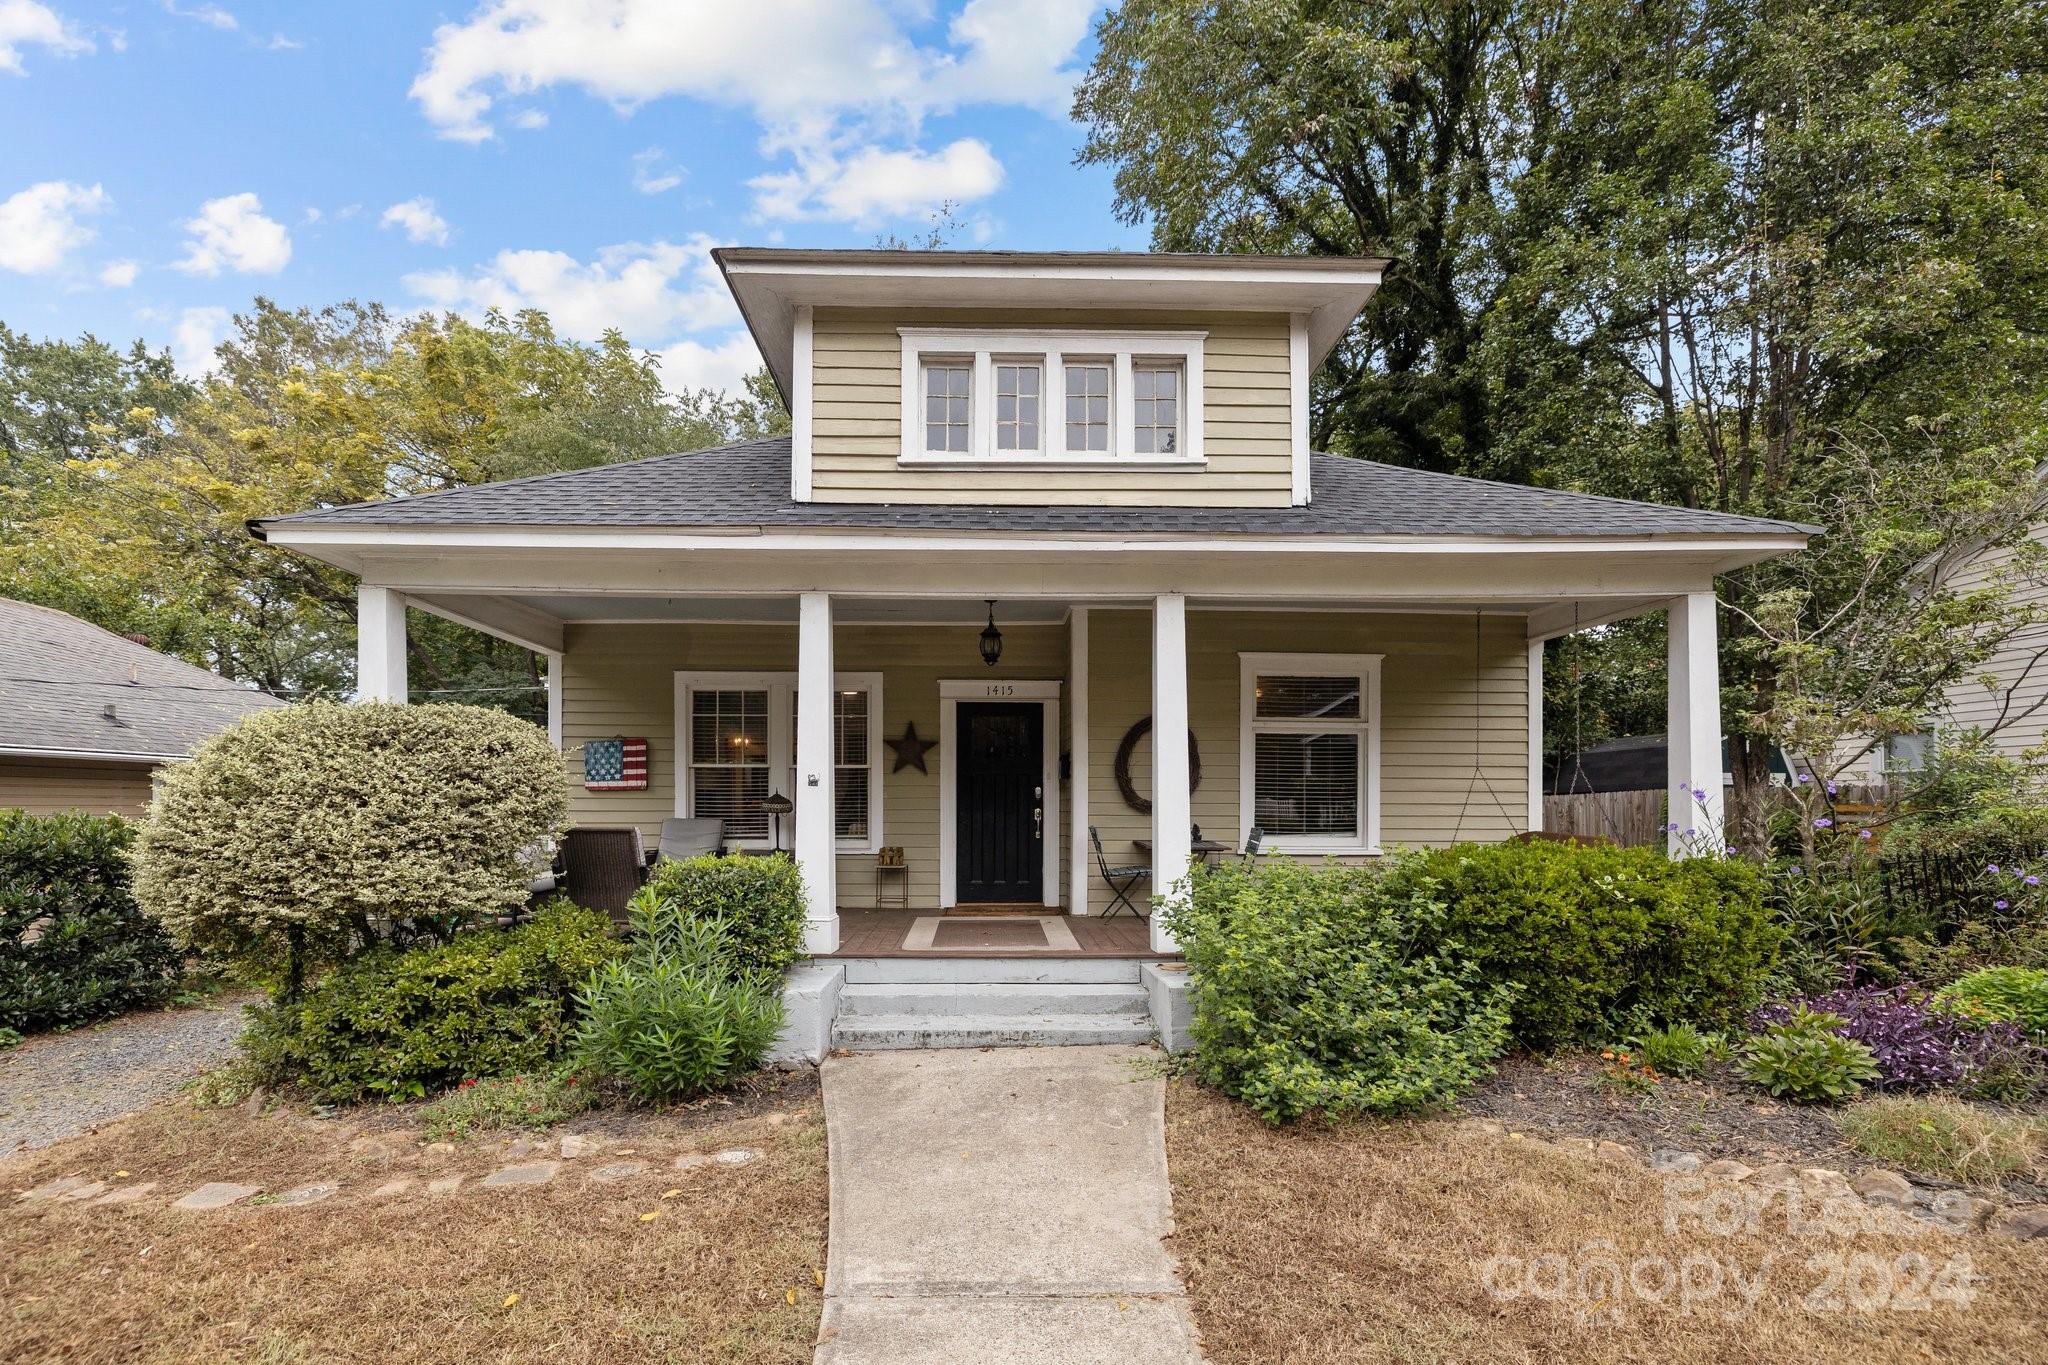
column 1001, row 1206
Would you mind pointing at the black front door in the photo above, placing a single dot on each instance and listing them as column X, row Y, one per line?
column 1001, row 802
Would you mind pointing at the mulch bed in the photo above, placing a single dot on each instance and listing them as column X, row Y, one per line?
column 1716, row 1116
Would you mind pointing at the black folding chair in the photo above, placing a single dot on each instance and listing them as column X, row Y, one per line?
column 1119, row 880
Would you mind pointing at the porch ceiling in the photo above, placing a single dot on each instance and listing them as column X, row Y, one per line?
column 536, row 619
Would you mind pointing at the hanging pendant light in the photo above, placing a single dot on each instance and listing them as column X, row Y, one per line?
column 991, row 638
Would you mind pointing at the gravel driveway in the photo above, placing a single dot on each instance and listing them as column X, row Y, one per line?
column 58, row 1085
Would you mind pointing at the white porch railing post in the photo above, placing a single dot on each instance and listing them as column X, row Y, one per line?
column 554, row 699
column 1080, row 856
column 817, row 851
column 380, row 645
column 1693, row 727
column 1172, row 803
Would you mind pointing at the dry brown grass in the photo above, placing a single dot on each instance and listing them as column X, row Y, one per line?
column 1371, row 1244
column 418, row 1277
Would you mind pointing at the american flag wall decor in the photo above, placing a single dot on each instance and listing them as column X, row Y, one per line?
column 615, row 765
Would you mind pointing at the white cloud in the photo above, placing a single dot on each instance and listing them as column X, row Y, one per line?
column 25, row 22
column 280, row 42
column 420, row 221
column 40, row 227
column 119, row 274
column 232, row 233
column 652, row 173
column 213, row 16
column 199, row 330
column 874, row 183
column 643, row 289
column 530, row 119
column 723, row 365
column 822, row 79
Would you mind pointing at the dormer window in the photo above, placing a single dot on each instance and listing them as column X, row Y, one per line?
column 1052, row 398
column 1017, row 406
column 948, row 387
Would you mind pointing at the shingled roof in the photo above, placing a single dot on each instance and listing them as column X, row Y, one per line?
column 67, row 686
column 747, row 484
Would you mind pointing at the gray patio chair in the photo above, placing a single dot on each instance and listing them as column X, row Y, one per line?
column 1120, row 879
column 603, row 866
column 690, row 838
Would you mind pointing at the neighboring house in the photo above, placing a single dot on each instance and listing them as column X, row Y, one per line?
column 2012, row 710
column 1103, row 459
column 87, row 716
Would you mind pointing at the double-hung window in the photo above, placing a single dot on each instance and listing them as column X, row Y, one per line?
column 736, row 735
column 1052, row 397
column 1309, row 734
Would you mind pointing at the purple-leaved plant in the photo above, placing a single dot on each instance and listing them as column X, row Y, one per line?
column 1915, row 1047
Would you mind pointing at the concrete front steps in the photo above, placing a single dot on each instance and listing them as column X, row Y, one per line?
column 881, row 1004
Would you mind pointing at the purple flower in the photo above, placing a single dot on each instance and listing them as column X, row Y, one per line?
column 1671, row 828
column 1802, row 779
column 1863, row 834
column 1798, row 871
column 1699, row 794
column 1831, row 789
column 1823, row 823
column 1690, row 831
column 1729, row 850
column 1998, row 905
column 2031, row 880
column 1992, row 868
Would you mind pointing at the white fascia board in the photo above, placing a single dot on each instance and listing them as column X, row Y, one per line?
column 918, row 542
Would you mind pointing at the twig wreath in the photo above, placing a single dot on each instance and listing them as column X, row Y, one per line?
column 1143, row 804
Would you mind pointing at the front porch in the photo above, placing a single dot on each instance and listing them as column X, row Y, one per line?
column 928, row 765
column 867, row 933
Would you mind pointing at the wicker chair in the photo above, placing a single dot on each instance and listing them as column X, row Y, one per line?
column 604, row 866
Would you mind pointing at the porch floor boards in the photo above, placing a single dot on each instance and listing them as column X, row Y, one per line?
column 880, row 933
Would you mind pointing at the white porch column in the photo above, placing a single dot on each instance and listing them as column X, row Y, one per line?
column 380, row 645
column 1535, row 736
column 816, row 848
column 554, row 699
column 1080, row 856
column 1172, row 803
column 1693, row 725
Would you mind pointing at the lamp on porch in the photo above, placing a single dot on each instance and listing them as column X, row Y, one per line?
column 991, row 638
column 777, row 805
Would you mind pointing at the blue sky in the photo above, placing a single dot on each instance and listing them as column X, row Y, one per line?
column 163, row 163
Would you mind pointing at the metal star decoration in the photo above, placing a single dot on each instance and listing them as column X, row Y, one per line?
column 910, row 750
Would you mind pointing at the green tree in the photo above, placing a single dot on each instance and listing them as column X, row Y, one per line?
column 140, row 522
column 1785, row 260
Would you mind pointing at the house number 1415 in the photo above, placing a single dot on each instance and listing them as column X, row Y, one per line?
column 1000, row 690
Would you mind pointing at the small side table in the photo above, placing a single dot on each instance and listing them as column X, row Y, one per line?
column 892, row 886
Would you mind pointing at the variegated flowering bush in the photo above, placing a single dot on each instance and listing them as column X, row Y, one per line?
column 302, row 836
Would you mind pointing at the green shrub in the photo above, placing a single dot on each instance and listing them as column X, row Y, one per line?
column 400, row 1024
column 1602, row 941
column 1804, row 1059
column 534, row 1102
column 683, row 1013
column 2013, row 995
column 761, row 901
column 1676, row 1050
column 73, row 945
column 303, row 835
column 1322, row 990
column 1947, row 1138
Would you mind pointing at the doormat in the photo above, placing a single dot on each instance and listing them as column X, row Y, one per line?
column 990, row 933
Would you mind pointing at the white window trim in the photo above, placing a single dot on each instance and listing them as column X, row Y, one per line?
column 1366, row 668
column 1048, row 346
column 781, row 689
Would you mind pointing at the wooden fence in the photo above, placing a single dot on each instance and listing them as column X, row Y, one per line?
column 1631, row 819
